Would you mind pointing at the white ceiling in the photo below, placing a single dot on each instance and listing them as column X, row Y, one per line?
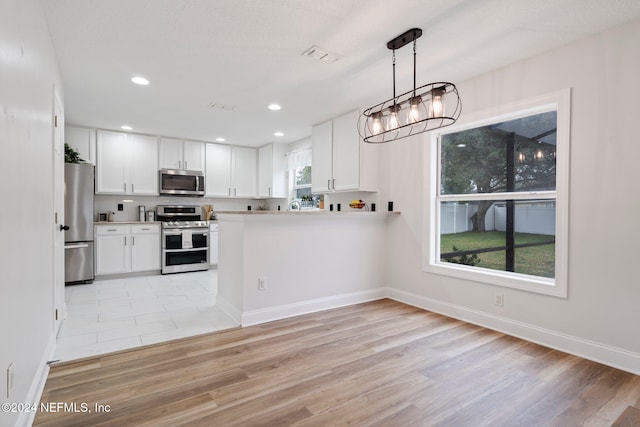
column 247, row 53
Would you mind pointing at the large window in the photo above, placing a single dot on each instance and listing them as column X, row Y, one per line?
column 498, row 208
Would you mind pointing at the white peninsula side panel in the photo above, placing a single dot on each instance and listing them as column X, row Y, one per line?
column 308, row 262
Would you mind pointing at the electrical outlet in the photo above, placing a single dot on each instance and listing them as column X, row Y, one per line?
column 499, row 301
column 10, row 379
column 262, row 283
column 120, row 207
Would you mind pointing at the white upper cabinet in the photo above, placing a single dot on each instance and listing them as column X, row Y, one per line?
column 170, row 153
column 143, row 164
column 321, row 151
column 231, row 171
column 243, row 172
column 126, row 164
column 218, row 170
column 179, row 154
column 346, row 152
column 341, row 161
column 194, row 157
column 83, row 140
column 272, row 178
column 111, row 163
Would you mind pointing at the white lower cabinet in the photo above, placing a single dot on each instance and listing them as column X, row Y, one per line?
column 113, row 251
column 125, row 248
column 145, row 247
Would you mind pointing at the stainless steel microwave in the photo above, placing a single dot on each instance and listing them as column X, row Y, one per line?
column 179, row 182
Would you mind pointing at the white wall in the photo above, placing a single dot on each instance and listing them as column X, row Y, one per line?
column 28, row 74
column 602, row 306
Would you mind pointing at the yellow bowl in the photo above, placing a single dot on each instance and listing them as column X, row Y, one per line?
column 356, row 205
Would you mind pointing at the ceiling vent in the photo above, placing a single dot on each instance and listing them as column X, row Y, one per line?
column 221, row 107
column 321, row 54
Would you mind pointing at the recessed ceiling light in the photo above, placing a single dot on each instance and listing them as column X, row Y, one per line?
column 461, row 145
column 139, row 80
column 274, row 107
column 125, row 127
column 220, row 139
column 278, row 134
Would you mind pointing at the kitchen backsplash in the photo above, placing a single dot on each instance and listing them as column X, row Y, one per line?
column 108, row 203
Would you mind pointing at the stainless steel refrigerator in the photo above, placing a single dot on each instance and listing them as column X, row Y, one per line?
column 78, row 217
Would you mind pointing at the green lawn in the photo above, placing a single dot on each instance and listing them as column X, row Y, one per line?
column 537, row 260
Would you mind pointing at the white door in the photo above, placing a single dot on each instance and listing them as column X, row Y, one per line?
column 59, row 309
column 218, row 173
column 321, row 153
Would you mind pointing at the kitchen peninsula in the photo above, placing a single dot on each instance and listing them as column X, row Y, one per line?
column 281, row 264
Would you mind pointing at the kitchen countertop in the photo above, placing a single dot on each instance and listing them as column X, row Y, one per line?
column 126, row 222
column 308, row 212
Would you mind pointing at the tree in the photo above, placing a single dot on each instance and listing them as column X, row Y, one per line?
column 475, row 160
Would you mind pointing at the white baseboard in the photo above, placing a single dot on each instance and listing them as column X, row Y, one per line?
column 37, row 385
column 263, row 315
column 229, row 309
column 597, row 352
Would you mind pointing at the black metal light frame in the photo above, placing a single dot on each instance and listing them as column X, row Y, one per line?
column 422, row 109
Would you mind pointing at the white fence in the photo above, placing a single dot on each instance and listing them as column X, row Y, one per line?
column 535, row 218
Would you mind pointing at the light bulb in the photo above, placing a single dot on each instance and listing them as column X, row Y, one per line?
column 376, row 126
column 437, row 105
column 392, row 121
column 414, row 115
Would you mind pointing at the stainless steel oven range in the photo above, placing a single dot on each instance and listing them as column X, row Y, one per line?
column 185, row 239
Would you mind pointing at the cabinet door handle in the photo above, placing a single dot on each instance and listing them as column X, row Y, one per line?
column 229, row 190
column 333, row 183
column 185, row 165
column 133, row 240
column 328, row 184
column 132, row 190
column 179, row 164
column 125, row 240
column 111, row 229
column 125, row 187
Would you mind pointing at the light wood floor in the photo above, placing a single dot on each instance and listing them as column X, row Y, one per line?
column 377, row 364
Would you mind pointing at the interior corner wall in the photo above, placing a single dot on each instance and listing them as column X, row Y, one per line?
column 28, row 74
column 603, row 293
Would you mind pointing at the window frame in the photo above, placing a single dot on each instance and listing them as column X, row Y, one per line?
column 558, row 286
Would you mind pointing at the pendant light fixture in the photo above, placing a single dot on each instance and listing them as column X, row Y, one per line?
column 422, row 109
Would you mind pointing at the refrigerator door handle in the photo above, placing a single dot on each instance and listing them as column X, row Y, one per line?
column 77, row 246
column 64, row 227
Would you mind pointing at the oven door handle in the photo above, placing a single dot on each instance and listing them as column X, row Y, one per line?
column 179, row 232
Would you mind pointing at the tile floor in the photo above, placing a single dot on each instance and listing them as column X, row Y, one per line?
column 115, row 314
